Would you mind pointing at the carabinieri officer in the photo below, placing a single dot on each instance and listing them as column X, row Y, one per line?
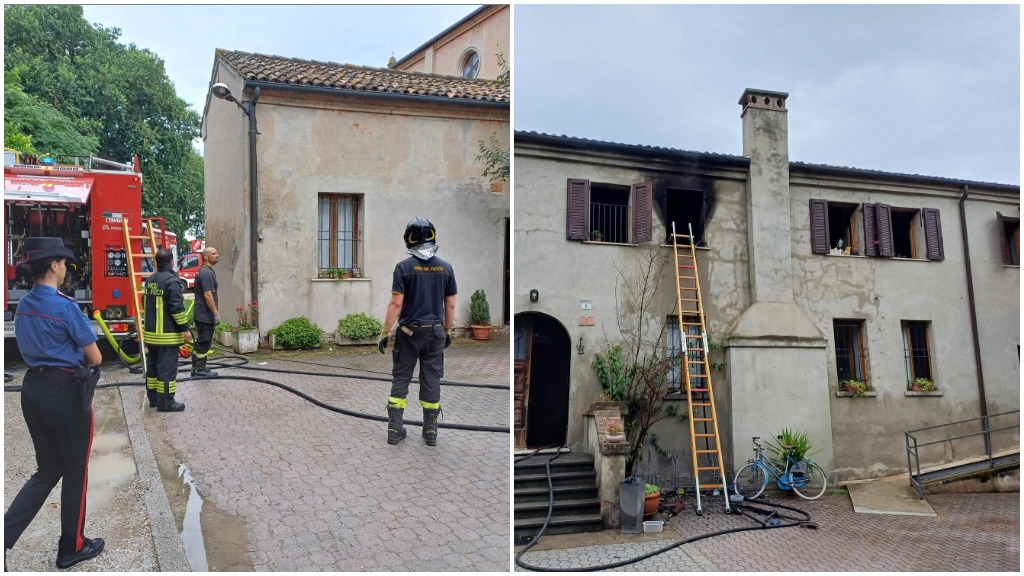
column 54, row 337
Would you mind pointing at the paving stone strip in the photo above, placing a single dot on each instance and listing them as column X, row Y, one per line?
column 170, row 551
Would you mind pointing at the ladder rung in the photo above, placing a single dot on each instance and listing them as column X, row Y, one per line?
column 707, row 468
column 687, row 277
column 702, row 419
column 694, row 362
column 694, row 349
column 705, row 435
column 692, row 324
column 682, row 266
column 689, row 299
column 680, row 235
column 707, row 451
column 699, row 390
column 700, row 404
column 699, row 336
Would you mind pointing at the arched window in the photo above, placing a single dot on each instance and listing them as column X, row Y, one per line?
column 470, row 67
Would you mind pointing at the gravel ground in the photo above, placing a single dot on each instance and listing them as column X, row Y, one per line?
column 115, row 507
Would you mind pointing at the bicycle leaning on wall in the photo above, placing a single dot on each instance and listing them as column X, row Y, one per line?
column 805, row 478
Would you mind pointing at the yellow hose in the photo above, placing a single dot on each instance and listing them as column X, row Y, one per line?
column 113, row 342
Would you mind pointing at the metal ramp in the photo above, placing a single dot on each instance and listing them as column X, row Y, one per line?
column 990, row 461
column 693, row 346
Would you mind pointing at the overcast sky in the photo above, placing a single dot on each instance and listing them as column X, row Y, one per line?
column 186, row 36
column 930, row 90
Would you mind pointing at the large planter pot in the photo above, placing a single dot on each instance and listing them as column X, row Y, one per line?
column 224, row 338
column 343, row 341
column 245, row 341
column 616, row 438
column 651, row 505
column 481, row 332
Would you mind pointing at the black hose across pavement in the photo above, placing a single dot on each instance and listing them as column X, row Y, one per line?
column 304, row 396
column 792, row 521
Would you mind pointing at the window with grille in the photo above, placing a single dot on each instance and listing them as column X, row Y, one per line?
column 851, row 357
column 673, row 347
column 338, row 235
column 917, row 350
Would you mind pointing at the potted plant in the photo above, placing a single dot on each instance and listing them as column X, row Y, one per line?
column 921, row 385
column 245, row 338
column 596, row 236
column 480, row 316
column 222, row 333
column 357, row 273
column 357, row 329
column 651, row 501
column 615, row 435
column 856, row 386
column 295, row 333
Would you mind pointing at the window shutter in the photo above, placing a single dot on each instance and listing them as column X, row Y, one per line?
column 642, row 202
column 870, row 229
column 577, row 213
column 885, row 245
column 819, row 226
column 1001, row 224
column 933, row 234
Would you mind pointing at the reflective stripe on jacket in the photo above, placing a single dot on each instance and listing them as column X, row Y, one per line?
column 166, row 317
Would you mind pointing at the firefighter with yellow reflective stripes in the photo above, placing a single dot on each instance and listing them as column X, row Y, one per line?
column 423, row 302
column 166, row 329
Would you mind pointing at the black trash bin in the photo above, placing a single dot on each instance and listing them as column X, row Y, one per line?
column 631, row 503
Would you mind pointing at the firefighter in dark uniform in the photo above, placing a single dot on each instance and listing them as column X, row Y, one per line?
column 423, row 301
column 55, row 338
column 166, row 329
column 206, row 316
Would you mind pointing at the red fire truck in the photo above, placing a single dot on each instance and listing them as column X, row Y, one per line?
column 84, row 203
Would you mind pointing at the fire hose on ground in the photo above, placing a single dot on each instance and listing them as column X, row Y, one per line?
column 232, row 361
column 742, row 506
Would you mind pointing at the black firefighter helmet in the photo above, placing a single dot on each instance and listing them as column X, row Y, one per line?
column 419, row 231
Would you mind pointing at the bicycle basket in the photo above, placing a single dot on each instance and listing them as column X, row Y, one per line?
column 799, row 468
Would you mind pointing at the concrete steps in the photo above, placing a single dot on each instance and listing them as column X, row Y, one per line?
column 576, row 505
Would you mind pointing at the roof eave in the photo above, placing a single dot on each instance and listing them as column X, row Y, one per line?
column 446, row 31
column 577, row 144
column 825, row 170
column 393, row 96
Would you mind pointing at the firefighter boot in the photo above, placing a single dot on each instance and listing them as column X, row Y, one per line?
column 431, row 414
column 167, row 403
column 199, row 369
column 396, row 431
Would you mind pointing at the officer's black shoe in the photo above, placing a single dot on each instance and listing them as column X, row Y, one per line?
column 396, row 431
column 167, row 404
column 430, row 418
column 154, row 398
column 90, row 549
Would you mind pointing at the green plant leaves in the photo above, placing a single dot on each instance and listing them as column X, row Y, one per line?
column 360, row 326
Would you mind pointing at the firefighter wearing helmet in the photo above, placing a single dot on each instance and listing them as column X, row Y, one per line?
column 423, row 302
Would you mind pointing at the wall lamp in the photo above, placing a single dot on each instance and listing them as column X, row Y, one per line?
column 534, row 295
column 580, row 349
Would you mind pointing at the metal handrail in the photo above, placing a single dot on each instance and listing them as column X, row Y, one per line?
column 913, row 447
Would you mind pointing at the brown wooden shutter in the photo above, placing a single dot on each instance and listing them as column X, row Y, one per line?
column 1001, row 223
column 885, row 244
column 577, row 212
column 870, row 229
column 933, row 234
column 819, row 226
column 642, row 202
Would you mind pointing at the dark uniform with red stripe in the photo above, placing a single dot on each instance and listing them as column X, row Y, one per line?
column 51, row 333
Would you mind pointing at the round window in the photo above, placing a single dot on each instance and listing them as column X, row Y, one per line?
column 471, row 65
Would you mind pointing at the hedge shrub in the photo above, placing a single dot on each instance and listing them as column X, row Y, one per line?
column 297, row 333
column 359, row 326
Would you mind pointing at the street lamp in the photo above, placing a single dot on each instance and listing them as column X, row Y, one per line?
column 222, row 92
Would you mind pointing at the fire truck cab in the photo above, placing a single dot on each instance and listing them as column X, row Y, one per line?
column 85, row 203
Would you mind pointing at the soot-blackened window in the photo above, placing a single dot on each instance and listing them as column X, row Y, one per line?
column 609, row 213
column 685, row 208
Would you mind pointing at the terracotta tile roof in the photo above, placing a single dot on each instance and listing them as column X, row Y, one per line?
column 624, row 147
column 294, row 71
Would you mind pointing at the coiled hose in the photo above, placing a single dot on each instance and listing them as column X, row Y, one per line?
column 789, row 522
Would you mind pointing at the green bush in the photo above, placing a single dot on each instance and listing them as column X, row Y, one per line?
column 297, row 333
column 224, row 327
column 479, row 310
column 801, row 446
column 612, row 372
column 651, row 489
column 359, row 326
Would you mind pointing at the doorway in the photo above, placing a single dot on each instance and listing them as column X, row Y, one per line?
column 541, row 390
column 508, row 274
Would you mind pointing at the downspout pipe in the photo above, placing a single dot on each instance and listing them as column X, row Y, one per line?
column 254, row 266
column 974, row 321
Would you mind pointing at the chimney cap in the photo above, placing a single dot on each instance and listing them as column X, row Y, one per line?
column 765, row 99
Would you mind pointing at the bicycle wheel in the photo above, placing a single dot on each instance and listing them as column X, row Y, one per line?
column 750, row 481
column 812, row 486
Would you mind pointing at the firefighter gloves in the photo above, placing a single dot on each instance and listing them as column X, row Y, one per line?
column 448, row 338
column 382, row 345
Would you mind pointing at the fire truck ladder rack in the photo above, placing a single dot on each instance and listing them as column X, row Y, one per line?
column 147, row 226
column 700, row 396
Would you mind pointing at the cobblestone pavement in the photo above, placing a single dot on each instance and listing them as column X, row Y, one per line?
column 323, row 491
column 973, row 532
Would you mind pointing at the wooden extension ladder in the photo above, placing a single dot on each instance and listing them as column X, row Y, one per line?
column 693, row 346
column 147, row 226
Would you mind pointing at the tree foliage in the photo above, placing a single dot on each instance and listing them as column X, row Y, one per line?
column 34, row 127
column 495, row 157
column 120, row 95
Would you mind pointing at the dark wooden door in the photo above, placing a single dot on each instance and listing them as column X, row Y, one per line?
column 523, row 337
